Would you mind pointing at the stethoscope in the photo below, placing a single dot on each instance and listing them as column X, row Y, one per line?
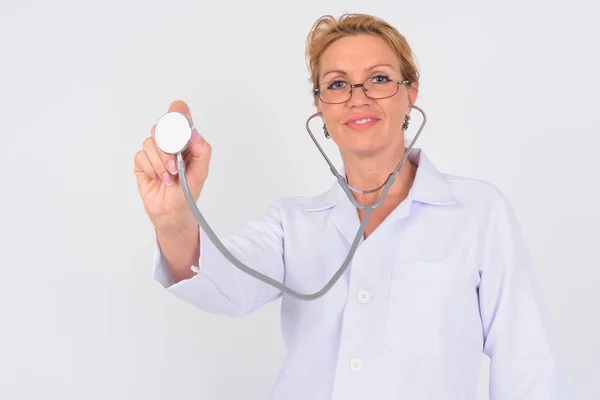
column 173, row 133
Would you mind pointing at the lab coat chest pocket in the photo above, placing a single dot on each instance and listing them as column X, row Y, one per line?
column 414, row 313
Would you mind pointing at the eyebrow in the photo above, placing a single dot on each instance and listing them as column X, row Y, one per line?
column 341, row 72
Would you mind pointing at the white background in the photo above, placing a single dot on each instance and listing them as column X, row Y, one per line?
column 511, row 90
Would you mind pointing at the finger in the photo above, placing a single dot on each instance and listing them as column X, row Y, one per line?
column 198, row 159
column 198, row 151
column 153, row 154
column 143, row 167
column 199, row 148
column 181, row 106
column 167, row 159
column 143, row 170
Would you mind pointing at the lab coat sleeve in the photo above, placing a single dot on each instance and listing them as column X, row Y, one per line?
column 524, row 362
column 218, row 286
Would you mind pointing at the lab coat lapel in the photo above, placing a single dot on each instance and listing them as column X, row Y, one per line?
column 429, row 186
column 344, row 215
column 341, row 213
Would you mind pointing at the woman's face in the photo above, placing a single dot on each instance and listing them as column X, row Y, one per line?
column 363, row 126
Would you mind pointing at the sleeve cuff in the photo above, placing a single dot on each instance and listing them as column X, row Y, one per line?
column 201, row 290
column 161, row 272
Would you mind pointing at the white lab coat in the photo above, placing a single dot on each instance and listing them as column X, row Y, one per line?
column 444, row 278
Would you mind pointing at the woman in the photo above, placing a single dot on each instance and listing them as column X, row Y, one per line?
column 441, row 274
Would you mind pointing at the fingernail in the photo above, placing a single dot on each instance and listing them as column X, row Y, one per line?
column 172, row 167
column 167, row 178
column 195, row 136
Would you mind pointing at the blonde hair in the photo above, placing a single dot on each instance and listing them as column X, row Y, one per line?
column 327, row 30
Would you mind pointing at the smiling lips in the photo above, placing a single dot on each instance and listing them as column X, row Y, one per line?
column 362, row 122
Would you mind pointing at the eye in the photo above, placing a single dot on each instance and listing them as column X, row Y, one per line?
column 379, row 79
column 336, row 85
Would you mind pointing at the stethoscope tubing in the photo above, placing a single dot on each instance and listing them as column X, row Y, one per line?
column 347, row 189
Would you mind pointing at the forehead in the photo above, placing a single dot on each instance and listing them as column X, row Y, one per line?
column 354, row 54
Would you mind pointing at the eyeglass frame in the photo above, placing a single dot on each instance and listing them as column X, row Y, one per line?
column 317, row 91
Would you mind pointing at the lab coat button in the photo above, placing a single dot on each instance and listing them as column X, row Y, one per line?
column 363, row 296
column 356, row 365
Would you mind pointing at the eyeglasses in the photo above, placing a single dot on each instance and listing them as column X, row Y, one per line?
column 340, row 91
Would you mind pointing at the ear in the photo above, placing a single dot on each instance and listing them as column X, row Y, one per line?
column 413, row 93
column 318, row 105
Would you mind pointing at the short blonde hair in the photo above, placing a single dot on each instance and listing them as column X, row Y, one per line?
column 327, row 30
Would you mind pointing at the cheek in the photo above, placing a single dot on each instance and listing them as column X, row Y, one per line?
column 394, row 112
column 331, row 115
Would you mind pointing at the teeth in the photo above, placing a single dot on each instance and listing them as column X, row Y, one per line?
column 363, row 121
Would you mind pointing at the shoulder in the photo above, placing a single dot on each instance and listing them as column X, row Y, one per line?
column 470, row 191
column 320, row 201
column 482, row 200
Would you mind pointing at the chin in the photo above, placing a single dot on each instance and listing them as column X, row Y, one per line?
column 370, row 145
column 363, row 149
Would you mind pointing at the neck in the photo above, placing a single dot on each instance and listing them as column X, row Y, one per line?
column 370, row 173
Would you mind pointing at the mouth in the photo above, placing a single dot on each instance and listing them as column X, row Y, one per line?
column 362, row 122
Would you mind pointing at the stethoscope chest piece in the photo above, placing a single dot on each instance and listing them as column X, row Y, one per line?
column 173, row 133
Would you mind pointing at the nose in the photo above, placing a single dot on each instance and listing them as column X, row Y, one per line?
column 359, row 97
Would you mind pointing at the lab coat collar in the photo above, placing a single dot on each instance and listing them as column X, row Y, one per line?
column 430, row 187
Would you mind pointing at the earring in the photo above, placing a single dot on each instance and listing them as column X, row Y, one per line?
column 405, row 124
column 326, row 131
